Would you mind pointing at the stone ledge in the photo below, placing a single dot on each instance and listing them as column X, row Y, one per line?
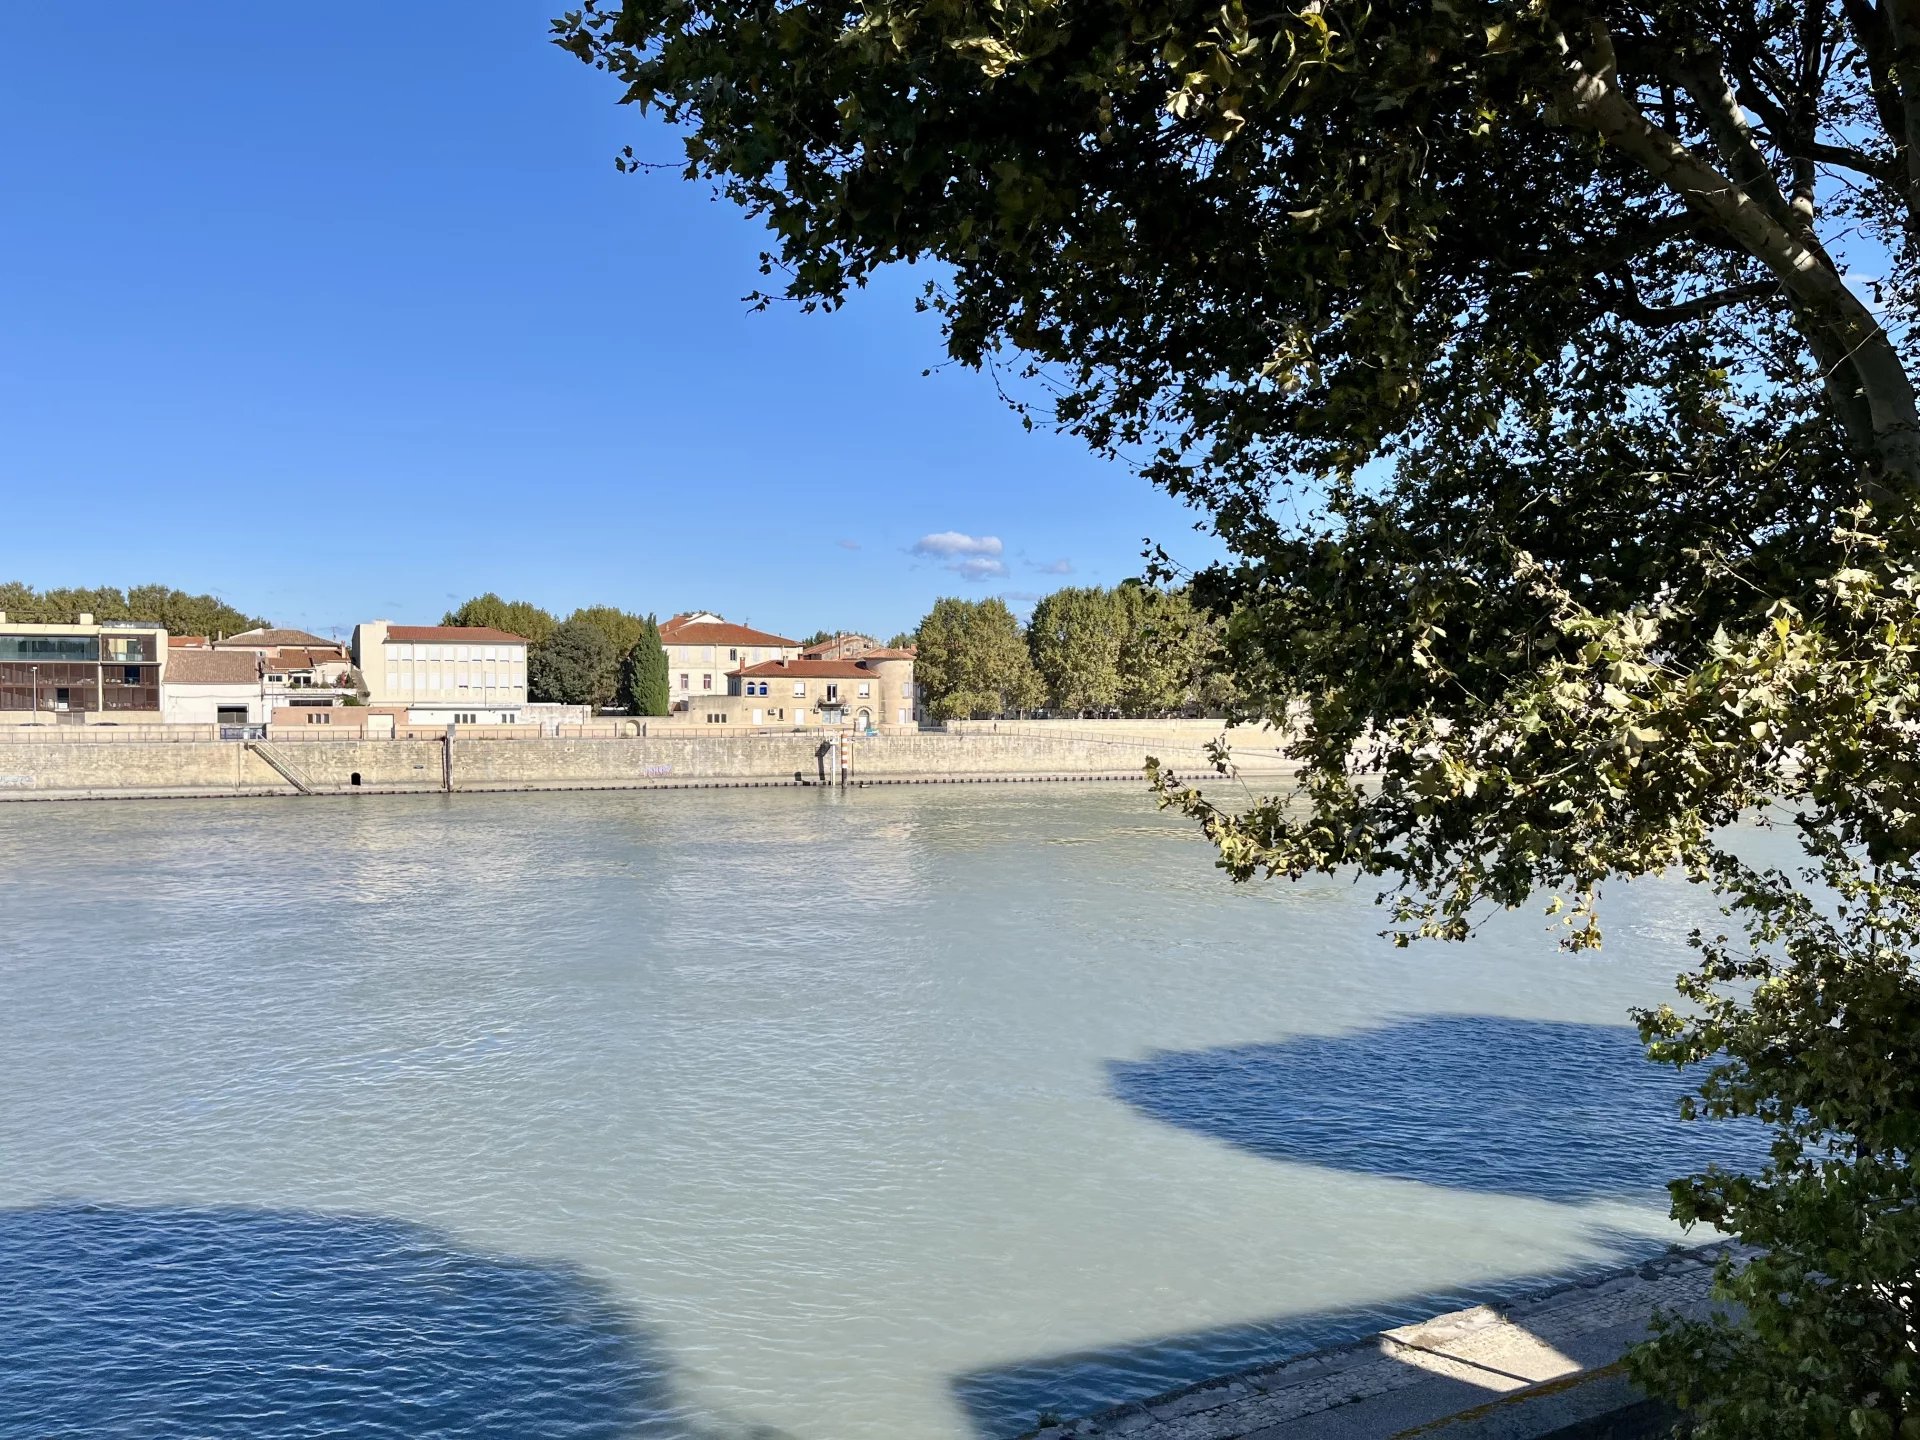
column 1544, row 1364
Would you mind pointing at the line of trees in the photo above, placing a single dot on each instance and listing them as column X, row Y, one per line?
column 599, row 655
column 179, row 612
column 1131, row 650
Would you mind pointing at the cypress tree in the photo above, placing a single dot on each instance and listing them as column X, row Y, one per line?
column 643, row 678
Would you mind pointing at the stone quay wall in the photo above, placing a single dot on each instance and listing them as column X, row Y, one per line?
column 96, row 767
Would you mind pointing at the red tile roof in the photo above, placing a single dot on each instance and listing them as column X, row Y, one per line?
column 290, row 659
column 808, row 670
column 723, row 633
column 271, row 639
column 455, row 634
column 186, row 642
column 905, row 652
column 213, row 667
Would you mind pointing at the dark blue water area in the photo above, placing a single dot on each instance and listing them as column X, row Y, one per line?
column 1008, row 1400
column 221, row 1323
column 1547, row 1109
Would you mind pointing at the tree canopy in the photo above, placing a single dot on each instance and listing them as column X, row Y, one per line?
column 973, row 661
column 573, row 665
column 1137, row 649
column 516, row 617
column 1546, row 366
column 176, row 610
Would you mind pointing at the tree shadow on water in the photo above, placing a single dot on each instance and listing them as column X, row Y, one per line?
column 1002, row 1401
column 1547, row 1109
column 163, row 1323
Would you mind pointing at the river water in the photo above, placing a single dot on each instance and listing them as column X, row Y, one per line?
column 789, row 1115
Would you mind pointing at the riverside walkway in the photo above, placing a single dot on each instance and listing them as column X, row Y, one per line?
column 1549, row 1364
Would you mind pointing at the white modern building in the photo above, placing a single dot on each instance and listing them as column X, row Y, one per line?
column 443, row 674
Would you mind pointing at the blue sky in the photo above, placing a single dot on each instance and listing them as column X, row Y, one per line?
column 343, row 312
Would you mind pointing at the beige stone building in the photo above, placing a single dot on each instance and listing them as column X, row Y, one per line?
column 843, row 646
column 703, row 649
column 875, row 692
column 443, row 674
column 81, row 674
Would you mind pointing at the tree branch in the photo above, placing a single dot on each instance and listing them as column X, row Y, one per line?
column 1904, row 72
column 1623, row 299
column 1727, row 123
column 1897, row 104
column 1859, row 359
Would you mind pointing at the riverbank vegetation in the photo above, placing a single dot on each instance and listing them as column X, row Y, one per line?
column 1133, row 650
column 1548, row 371
column 176, row 610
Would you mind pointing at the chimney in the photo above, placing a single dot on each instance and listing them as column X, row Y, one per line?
column 3, row 617
column 86, row 617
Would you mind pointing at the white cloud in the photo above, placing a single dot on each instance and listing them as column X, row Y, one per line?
column 978, row 567
column 1056, row 567
column 949, row 543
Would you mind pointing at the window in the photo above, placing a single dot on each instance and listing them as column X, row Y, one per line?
column 833, row 692
column 706, row 682
column 733, row 654
column 799, row 689
column 319, row 717
column 683, row 681
column 706, row 654
column 866, row 689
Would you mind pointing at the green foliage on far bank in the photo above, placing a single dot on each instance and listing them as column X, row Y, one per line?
column 643, row 674
column 1134, row 650
column 176, row 610
column 516, row 617
column 572, row 665
column 973, row 661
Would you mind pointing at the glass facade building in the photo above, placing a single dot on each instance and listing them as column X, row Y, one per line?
column 78, row 670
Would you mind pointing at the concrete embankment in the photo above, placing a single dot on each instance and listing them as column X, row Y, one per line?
column 1547, row 1366
column 97, row 767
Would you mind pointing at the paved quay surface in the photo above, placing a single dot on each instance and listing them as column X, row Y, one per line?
column 1537, row 1366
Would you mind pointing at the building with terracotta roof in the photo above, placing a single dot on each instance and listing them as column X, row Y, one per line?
column 844, row 645
column 443, row 674
column 271, row 639
column 869, row 693
column 214, row 687
column 292, row 659
column 702, row 648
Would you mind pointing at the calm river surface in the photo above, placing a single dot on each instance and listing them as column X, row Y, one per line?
column 789, row 1115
